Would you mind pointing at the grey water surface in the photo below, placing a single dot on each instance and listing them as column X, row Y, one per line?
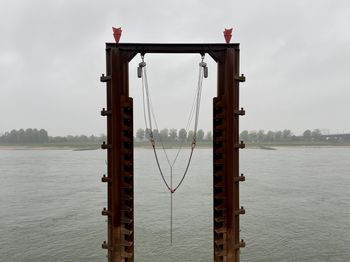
column 297, row 202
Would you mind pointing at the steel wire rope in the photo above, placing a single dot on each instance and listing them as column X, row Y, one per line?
column 145, row 86
column 188, row 124
column 199, row 94
column 143, row 104
column 187, row 127
column 150, row 109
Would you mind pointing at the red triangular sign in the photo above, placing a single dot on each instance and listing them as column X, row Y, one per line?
column 228, row 35
column 117, row 33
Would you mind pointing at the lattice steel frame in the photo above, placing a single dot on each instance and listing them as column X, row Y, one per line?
column 120, row 156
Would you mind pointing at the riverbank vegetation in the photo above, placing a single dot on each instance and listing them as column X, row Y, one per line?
column 173, row 138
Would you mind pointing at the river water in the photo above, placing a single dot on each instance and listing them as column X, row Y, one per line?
column 297, row 202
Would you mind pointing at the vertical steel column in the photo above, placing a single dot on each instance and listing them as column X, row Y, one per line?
column 226, row 147
column 119, row 144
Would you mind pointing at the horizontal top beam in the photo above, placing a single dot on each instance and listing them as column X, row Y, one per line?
column 178, row 48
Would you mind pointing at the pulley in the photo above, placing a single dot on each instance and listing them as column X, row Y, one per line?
column 205, row 68
column 139, row 68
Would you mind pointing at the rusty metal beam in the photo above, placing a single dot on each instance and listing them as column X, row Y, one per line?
column 216, row 51
column 119, row 144
column 226, row 147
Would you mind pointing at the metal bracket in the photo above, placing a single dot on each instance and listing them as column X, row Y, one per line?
column 241, row 178
column 106, row 179
column 105, row 112
column 241, row 244
column 106, row 246
column 240, row 78
column 127, row 255
column 106, row 146
column 220, row 242
column 240, row 211
column 104, row 78
column 219, row 184
column 126, row 231
column 126, row 208
column 126, row 243
column 126, row 220
column 241, row 145
column 240, row 112
column 220, row 207
column 105, row 212
column 221, row 230
column 220, row 253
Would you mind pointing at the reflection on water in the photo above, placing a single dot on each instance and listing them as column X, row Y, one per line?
column 297, row 202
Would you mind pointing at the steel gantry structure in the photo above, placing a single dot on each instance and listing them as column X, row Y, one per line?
column 120, row 156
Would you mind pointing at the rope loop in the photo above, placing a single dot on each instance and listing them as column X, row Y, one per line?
column 141, row 72
column 193, row 145
column 149, row 115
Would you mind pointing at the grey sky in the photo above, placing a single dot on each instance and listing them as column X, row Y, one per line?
column 295, row 54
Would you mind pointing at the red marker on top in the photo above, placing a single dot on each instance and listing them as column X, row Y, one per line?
column 117, row 33
column 228, row 35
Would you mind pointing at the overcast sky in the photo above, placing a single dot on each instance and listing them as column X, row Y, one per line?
column 295, row 55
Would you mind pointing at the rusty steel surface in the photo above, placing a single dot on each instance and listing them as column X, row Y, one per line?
column 119, row 146
column 129, row 50
column 226, row 147
column 120, row 189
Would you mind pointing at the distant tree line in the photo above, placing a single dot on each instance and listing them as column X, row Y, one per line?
column 81, row 139
column 35, row 135
column 270, row 136
column 25, row 136
column 248, row 136
column 172, row 134
column 281, row 136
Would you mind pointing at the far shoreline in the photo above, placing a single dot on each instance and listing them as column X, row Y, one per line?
column 144, row 145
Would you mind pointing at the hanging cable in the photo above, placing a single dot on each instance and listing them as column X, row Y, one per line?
column 171, row 206
column 142, row 73
column 150, row 113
